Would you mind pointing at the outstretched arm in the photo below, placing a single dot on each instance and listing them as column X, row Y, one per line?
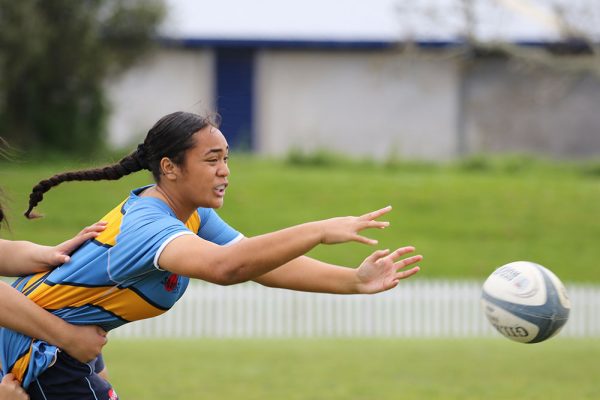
column 23, row 257
column 378, row 272
column 250, row 258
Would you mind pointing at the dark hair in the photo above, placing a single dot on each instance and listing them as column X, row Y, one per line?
column 171, row 137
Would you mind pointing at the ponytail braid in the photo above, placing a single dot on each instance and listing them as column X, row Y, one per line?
column 171, row 136
column 134, row 162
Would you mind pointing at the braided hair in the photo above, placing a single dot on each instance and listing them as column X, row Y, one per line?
column 170, row 137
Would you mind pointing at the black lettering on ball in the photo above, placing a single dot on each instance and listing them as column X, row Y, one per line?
column 512, row 331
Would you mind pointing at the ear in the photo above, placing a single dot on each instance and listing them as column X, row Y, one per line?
column 168, row 169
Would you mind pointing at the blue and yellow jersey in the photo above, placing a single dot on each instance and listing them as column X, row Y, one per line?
column 112, row 280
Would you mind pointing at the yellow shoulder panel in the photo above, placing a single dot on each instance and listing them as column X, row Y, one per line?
column 193, row 223
column 113, row 228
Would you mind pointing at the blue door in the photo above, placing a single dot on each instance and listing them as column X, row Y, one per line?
column 235, row 74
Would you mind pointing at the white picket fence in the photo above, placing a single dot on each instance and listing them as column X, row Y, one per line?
column 419, row 308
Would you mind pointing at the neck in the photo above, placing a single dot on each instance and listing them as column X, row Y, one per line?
column 183, row 213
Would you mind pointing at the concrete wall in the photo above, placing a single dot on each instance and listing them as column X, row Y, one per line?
column 359, row 103
column 510, row 107
column 170, row 80
column 375, row 103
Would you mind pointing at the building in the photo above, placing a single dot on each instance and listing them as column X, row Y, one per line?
column 373, row 79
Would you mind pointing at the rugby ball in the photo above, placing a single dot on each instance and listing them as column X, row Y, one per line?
column 525, row 302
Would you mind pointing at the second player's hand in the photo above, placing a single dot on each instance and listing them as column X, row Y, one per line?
column 60, row 254
column 11, row 390
column 382, row 271
column 84, row 343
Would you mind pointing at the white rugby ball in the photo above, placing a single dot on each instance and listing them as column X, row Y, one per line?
column 525, row 302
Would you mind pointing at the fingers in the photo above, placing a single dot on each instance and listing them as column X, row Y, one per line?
column 365, row 240
column 92, row 230
column 87, row 233
column 407, row 273
column 97, row 227
column 9, row 379
column 16, row 391
column 376, row 255
column 376, row 214
column 400, row 252
column 103, row 334
column 396, row 254
column 101, row 331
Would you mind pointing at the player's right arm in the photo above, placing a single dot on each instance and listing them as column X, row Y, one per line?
column 247, row 259
column 20, row 314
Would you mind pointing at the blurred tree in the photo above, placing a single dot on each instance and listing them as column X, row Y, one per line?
column 54, row 59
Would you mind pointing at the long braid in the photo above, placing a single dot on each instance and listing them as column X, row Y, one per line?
column 171, row 137
column 134, row 162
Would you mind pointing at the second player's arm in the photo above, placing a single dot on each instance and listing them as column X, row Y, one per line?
column 20, row 314
column 21, row 257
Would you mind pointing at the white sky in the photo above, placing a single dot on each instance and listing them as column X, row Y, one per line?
column 357, row 20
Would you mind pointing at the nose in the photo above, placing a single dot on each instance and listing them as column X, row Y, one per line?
column 223, row 170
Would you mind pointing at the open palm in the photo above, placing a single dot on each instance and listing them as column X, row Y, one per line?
column 381, row 270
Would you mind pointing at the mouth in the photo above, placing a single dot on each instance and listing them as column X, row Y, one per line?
column 220, row 189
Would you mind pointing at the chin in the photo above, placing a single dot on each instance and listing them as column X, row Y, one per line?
column 216, row 204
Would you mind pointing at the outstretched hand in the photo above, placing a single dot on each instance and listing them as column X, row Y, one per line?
column 380, row 271
column 60, row 254
column 346, row 229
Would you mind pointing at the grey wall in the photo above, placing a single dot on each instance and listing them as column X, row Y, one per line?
column 170, row 80
column 515, row 108
column 430, row 106
column 359, row 103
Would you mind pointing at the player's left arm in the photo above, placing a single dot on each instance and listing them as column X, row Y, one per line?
column 22, row 257
column 381, row 271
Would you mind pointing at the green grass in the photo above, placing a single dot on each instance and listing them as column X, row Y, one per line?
column 348, row 369
column 466, row 219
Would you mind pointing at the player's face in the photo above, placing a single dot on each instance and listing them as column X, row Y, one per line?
column 205, row 172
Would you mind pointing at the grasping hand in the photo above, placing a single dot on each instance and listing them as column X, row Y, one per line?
column 11, row 390
column 346, row 229
column 60, row 254
column 380, row 271
column 83, row 343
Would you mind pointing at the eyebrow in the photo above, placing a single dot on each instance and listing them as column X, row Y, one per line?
column 216, row 150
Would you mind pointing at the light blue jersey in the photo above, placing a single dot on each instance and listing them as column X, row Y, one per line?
column 112, row 280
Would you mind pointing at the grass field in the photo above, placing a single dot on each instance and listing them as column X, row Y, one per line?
column 465, row 220
column 344, row 369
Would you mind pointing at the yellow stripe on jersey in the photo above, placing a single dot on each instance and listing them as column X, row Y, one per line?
column 123, row 302
column 113, row 228
column 20, row 367
column 33, row 280
column 115, row 217
column 193, row 222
